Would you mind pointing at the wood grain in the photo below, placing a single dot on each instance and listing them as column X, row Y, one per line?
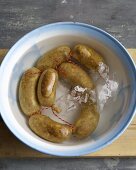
column 17, row 18
column 124, row 146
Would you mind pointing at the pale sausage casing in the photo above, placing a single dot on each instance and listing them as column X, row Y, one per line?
column 48, row 129
column 27, row 91
column 47, row 87
column 53, row 58
column 86, row 122
column 87, row 56
column 75, row 75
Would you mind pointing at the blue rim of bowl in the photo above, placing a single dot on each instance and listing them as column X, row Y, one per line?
column 82, row 152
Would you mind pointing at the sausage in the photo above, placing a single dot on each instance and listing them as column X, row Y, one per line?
column 53, row 58
column 75, row 75
column 48, row 129
column 47, row 87
column 86, row 122
column 27, row 91
column 38, row 87
column 87, row 56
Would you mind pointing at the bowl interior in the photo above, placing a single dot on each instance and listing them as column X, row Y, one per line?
column 115, row 114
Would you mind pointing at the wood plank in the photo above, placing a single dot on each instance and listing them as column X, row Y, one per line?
column 3, row 52
column 124, row 146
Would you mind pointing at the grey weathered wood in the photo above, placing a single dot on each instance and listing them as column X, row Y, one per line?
column 17, row 17
column 67, row 164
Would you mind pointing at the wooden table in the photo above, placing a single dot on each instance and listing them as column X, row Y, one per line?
column 124, row 146
column 18, row 17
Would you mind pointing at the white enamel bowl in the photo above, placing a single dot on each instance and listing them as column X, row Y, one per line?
column 116, row 116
